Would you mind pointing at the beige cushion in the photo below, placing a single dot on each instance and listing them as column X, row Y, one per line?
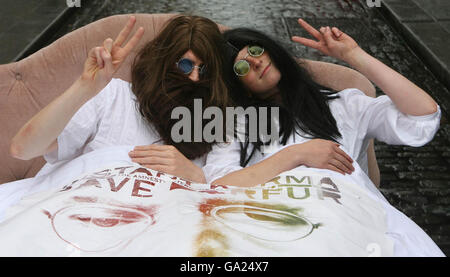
column 30, row 84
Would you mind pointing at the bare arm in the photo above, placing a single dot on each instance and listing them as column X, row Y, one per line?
column 260, row 172
column 343, row 77
column 317, row 153
column 38, row 136
column 406, row 96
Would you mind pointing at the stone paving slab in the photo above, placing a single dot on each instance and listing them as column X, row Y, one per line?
column 407, row 10
column 425, row 24
column 433, row 42
column 24, row 24
column 438, row 9
column 445, row 25
column 352, row 26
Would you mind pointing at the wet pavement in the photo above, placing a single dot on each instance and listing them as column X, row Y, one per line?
column 25, row 25
column 425, row 25
column 414, row 180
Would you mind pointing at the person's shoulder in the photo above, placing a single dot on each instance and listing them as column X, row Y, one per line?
column 349, row 95
column 345, row 93
column 350, row 101
column 119, row 84
column 116, row 92
column 118, row 89
column 350, row 92
column 120, row 81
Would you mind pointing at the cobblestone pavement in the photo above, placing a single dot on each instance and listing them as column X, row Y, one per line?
column 414, row 180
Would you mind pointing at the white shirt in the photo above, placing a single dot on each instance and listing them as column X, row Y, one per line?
column 359, row 118
column 111, row 118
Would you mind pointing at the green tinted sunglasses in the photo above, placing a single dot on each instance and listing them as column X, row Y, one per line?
column 242, row 67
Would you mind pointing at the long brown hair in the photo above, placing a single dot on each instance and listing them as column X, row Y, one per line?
column 160, row 87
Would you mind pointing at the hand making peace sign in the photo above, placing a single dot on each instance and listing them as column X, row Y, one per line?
column 331, row 41
column 103, row 61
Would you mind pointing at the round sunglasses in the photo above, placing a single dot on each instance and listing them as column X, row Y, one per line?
column 186, row 66
column 242, row 67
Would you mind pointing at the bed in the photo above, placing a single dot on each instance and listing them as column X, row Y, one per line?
column 102, row 204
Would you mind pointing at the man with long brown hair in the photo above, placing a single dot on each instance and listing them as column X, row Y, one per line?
column 160, row 86
column 182, row 63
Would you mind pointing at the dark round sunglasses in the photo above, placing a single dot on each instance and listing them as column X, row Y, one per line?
column 242, row 67
column 187, row 66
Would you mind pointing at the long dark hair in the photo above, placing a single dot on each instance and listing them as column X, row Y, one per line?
column 304, row 103
column 160, row 87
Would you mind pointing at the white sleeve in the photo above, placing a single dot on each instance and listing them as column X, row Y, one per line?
column 223, row 159
column 81, row 128
column 363, row 161
column 380, row 119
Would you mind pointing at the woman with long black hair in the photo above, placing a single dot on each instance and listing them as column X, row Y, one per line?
column 315, row 122
column 319, row 129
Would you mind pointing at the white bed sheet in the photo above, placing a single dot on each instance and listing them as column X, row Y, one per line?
column 408, row 238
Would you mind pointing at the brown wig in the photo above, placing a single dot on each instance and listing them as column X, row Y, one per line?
column 160, row 87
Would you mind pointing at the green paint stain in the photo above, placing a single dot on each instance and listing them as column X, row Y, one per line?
column 276, row 217
column 274, row 213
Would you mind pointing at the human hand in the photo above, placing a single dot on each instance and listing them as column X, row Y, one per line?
column 325, row 154
column 103, row 61
column 167, row 159
column 331, row 41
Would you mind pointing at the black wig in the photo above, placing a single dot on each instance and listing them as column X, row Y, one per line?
column 304, row 103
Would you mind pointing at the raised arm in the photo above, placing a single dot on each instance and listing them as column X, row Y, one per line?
column 39, row 135
column 407, row 97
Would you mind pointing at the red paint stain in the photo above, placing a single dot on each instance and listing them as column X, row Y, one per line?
column 47, row 213
column 85, row 199
column 115, row 217
column 206, row 207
